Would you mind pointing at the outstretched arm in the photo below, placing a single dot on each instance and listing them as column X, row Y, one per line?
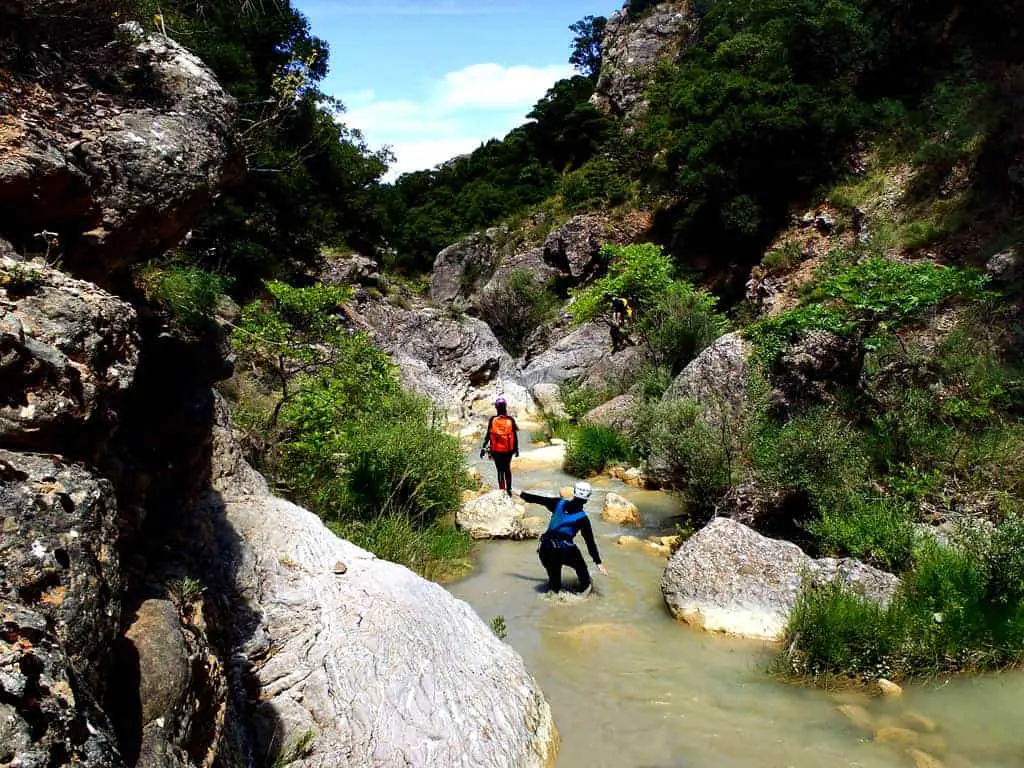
column 588, row 537
column 533, row 498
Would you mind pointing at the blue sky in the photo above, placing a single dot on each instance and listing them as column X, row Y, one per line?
column 434, row 78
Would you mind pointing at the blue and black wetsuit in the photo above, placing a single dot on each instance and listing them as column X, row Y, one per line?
column 557, row 548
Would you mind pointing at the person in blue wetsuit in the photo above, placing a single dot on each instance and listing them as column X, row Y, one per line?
column 557, row 547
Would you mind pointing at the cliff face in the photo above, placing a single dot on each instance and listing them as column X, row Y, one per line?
column 633, row 47
column 158, row 606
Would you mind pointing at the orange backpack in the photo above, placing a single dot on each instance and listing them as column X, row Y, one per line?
column 503, row 438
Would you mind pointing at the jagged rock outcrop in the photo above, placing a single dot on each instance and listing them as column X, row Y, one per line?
column 68, row 352
column 571, row 356
column 634, row 44
column 495, row 515
column 464, row 266
column 728, row 578
column 443, row 357
column 60, row 585
column 116, row 173
column 354, row 269
column 326, row 614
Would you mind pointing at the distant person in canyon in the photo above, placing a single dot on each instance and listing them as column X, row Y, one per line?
column 557, row 544
column 622, row 314
column 502, row 439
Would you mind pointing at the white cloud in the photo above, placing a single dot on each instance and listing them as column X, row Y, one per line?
column 456, row 113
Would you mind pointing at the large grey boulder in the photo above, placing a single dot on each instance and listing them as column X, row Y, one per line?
column 494, row 515
column 444, row 357
column 618, row 413
column 119, row 176
column 716, row 381
column 728, row 578
column 574, row 249
column 60, row 590
column 381, row 666
column 633, row 46
column 463, row 267
column 68, row 352
column 353, row 269
column 571, row 356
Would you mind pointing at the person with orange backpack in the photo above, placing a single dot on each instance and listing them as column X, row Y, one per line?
column 502, row 438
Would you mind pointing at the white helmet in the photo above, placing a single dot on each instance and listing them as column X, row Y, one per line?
column 582, row 490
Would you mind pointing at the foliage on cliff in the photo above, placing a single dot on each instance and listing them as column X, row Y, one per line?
column 339, row 435
column 311, row 180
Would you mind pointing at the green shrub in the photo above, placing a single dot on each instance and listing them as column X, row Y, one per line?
column 681, row 326
column 877, row 529
column 578, row 399
column 641, row 273
column 653, row 381
column 599, row 181
column 697, row 460
column 960, row 608
column 781, row 260
column 592, row 448
column 896, row 291
column 772, row 335
column 818, row 453
column 190, row 294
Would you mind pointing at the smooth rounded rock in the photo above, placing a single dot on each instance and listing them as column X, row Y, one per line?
column 618, row 510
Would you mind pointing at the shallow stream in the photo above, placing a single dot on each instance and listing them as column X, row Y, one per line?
column 632, row 688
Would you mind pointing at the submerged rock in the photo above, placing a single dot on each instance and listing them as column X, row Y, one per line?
column 728, row 578
column 495, row 515
column 450, row 692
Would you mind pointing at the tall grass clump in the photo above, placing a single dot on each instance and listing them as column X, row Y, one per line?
column 959, row 608
column 592, row 448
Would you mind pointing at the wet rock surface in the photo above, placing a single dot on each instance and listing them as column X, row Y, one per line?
column 495, row 515
column 728, row 578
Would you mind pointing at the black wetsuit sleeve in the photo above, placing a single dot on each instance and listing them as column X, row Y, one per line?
column 588, row 536
column 547, row 501
column 487, row 434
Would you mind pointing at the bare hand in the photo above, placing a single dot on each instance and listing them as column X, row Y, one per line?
column 602, row 570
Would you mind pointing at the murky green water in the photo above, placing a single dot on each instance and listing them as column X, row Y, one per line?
column 632, row 688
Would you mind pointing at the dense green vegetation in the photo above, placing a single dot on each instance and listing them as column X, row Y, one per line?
column 672, row 319
column 341, row 436
column 429, row 210
column 592, row 448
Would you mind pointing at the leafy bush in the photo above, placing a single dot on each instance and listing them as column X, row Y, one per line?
column 592, row 448
column 675, row 319
column 346, row 441
column 578, row 399
column 598, row 181
column 696, row 458
column 782, row 259
column 895, row 291
column 877, row 529
column 189, row 293
column 681, row 326
column 517, row 307
column 960, row 608
column 818, row 453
